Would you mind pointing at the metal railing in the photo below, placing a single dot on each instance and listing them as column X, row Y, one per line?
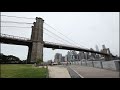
column 26, row 39
column 61, row 44
column 14, row 37
column 52, row 43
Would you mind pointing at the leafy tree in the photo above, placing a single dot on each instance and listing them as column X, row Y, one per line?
column 8, row 59
column 3, row 58
column 13, row 59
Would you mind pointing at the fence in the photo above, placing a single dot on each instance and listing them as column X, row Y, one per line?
column 111, row 65
column 13, row 37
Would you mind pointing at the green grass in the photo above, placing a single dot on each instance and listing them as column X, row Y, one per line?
column 22, row 71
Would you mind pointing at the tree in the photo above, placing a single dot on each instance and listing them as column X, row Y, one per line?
column 3, row 58
column 8, row 59
column 13, row 59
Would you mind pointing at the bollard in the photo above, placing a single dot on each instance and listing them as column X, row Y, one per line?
column 101, row 64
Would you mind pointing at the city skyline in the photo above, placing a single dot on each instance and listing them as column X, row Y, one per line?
column 83, row 28
column 72, row 55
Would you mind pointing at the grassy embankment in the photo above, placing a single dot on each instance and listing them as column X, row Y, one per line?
column 22, row 71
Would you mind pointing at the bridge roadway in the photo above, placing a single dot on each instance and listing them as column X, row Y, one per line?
column 27, row 42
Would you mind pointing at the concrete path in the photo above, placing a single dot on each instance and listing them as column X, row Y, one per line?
column 91, row 72
column 58, row 72
column 72, row 73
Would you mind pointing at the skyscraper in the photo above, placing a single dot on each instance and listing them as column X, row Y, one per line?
column 58, row 57
column 103, row 46
column 72, row 56
column 97, row 48
column 63, row 59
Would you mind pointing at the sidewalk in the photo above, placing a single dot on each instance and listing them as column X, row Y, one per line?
column 58, row 72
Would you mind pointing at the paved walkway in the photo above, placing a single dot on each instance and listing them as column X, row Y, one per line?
column 72, row 73
column 91, row 72
column 58, row 72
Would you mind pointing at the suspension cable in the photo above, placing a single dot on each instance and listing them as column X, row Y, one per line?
column 63, row 34
column 57, row 36
column 53, row 37
column 17, row 17
column 15, row 26
column 16, row 22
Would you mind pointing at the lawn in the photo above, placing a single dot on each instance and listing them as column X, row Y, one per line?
column 22, row 71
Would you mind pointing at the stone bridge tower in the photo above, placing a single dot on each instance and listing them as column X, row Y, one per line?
column 35, row 51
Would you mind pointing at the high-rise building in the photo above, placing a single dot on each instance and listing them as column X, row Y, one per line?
column 103, row 46
column 63, row 59
column 81, row 55
column 92, row 55
column 97, row 48
column 108, row 51
column 72, row 56
column 58, row 57
column 66, row 58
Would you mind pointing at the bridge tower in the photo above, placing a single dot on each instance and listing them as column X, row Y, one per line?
column 35, row 52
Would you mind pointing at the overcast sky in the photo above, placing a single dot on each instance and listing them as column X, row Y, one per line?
column 88, row 29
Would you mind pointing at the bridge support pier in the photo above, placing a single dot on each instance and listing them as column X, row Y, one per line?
column 35, row 53
column 29, row 54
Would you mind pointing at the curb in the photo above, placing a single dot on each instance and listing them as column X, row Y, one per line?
column 77, row 73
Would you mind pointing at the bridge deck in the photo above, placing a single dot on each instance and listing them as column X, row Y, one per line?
column 9, row 39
